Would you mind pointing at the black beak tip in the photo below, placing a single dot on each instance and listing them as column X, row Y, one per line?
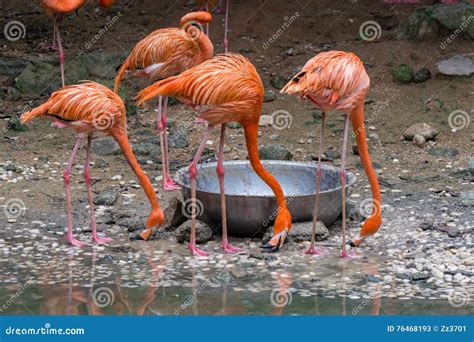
column 352, row 244
column 268, row 248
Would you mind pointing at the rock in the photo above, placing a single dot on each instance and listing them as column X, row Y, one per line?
column 257, row 254
column 12, row 168
column 422, row 75
column 403, row 74
column 419, row 140
column 101, row 163
column 178, row 137
column 278, row 81
column 456, row 66
column 437, row 273
column 102, row 64
column 426, row 225
column 14, row 124
column 149, row 147
column 238, row 272
column 332, row 155
column 174, row 216
column 265, row 120
column 451, row 231
column 471, row 164
column 467, row 198
column 12, row 66
column 203, row 232
column 423, row 129
column 132, row 224
column 403, row 275
column 419, row 276
column 234, row 125
column 418, row 26
column 373, row 279
column 301, row 232
column 75, row 70
column 269, row 96
column 274, row 152
column 456, row 17
column 107, row 197
column 443, row 152
column 105, row 146
column 13, row 94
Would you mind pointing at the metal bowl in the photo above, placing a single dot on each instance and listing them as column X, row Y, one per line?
column 251, row 204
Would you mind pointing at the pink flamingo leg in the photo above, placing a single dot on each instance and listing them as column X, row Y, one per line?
column 67, row 178
column 192, row 175
column 312, row 249
column 159, row 124
column 342, row 174
column 228, row 248
column 226, row 42
column 207, row 24
column 168, row 182
column 61, row 52
column 88, row 181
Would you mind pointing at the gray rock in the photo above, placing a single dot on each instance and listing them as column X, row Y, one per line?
column 471, row 163
column 467, row 198
column 445, row 152
column 269, row 96
column 234, row 125
column 419, row 140
column 238, row 272
column 373, row 279
column 203, row 232
column 12, row 66
column 105, row 146
column 403, row 275
column 174, row 216
column 14, row 124
column 332, row 154
column 301, row 231
column 107, row 197
column 178, row 137
column 149, row 147
column 418, row 26
column 12, row 168
column 426, row 225
column 265, row 120
column 422, row 75
column 455, row 17
column 423, row 129
column 257, row 254
column 103, row 64
column 451, row 231
column 456, row 66
column 278, row 81
column 403, row 74
column 101, row 163
column 419, row 276
column 132, row 224
column 274, row 152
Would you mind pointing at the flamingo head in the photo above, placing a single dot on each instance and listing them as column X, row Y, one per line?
column 280, row 229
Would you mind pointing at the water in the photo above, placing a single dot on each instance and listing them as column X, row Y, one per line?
column 149, row 279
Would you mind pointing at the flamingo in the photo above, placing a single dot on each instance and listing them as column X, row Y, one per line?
column 225, row 88
column 337, row 80
column 164, row 53
column 206, row 5
column 56, row 9
column 86, row 108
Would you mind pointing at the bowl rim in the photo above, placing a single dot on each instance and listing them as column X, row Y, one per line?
column 351, row 177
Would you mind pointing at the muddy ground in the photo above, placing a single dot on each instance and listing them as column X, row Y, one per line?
column 419, row 188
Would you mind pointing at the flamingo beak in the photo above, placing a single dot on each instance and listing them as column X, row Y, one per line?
column 356, row 241
column 276, row 242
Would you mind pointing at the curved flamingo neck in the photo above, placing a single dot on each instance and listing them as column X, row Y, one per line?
column 122, row 140
column 203, row 41
column 251, row 138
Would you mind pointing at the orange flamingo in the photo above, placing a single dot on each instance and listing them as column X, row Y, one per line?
column 87, row 108
column 165, row 53
column 217, row 8
column 337, row 80
column 56, row 9
column 224, row 88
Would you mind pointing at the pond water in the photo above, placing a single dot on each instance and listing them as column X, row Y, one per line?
column 155, row 279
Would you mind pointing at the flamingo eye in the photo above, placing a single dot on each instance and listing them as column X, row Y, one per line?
column 298, row 77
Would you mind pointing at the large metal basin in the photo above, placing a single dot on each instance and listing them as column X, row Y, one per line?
column 251, row 205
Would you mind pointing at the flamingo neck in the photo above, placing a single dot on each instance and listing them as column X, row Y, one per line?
column 251, row 138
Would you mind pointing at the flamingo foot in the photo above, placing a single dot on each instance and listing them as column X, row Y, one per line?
column 170, row 185
column 315, row 251
column 101, row 241
column 229, row 249
column 74, row 242
column 196, row 251
column 350, row 255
